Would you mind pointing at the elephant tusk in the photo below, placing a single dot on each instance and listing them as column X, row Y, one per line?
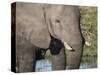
column 67, row 46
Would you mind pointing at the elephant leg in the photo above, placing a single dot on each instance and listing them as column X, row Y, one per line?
column 58, row 60
column 25, row 55
column 73, row 59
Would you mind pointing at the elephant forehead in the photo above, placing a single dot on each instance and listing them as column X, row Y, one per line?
column 53, row 10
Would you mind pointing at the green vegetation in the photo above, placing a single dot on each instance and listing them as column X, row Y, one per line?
column 89, row 30
column 48, row 55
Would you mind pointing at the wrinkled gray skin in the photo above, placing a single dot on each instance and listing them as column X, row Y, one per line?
column 39, row 25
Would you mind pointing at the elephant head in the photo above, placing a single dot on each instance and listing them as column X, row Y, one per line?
column 64, row 24
column 40, row 21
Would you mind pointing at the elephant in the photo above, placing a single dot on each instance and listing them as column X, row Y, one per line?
column 46, row 26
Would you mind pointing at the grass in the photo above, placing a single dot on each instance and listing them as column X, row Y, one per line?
column 89, row 29
column 88, row 24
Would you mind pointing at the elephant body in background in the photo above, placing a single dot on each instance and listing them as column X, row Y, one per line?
column 47, row 26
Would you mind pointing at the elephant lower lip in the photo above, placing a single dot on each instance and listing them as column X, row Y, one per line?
column 67, row 46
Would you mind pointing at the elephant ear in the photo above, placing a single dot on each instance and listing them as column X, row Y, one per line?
column 40, row 36
column 30, row 19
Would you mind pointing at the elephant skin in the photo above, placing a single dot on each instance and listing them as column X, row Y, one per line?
column 47, row 26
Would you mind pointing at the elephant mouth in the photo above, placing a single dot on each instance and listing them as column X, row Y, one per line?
column 56, row 45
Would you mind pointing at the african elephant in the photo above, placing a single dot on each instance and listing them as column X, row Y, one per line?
column 47, row 26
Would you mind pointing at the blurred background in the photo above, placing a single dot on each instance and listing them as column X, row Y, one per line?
column 89, row 30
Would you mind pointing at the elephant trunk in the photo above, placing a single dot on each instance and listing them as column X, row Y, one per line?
column 74, row 53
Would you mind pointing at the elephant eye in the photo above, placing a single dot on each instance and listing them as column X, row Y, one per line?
column 58, row 21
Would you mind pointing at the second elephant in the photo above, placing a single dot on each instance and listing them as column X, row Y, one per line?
column 47, row 26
